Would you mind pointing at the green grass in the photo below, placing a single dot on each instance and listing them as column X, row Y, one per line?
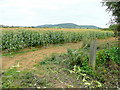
column 14, row 78
column 20, row 52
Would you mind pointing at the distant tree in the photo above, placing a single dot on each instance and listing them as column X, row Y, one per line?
column 1, row 25
column 114, row 7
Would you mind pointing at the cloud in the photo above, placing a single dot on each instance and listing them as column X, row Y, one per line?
column 36, row 12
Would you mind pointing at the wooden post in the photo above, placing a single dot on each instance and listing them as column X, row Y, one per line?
column 93, row 48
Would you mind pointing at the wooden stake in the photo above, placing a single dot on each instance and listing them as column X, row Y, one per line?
column 93, row 48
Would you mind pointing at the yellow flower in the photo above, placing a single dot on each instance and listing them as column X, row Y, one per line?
column 104, row 70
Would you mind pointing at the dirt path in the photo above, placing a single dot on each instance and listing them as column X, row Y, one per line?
column 29, row 59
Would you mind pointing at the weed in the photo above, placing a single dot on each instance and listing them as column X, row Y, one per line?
column 76, row 61
column 14, row 78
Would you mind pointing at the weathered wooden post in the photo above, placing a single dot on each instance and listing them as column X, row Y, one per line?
column 93, row 48
column 108, row 45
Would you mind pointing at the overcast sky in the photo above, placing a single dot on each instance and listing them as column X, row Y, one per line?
column 39, row 12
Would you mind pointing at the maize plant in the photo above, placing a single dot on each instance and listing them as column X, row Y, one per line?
column 18, row 39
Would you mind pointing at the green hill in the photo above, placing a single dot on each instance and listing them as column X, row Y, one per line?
column 67, row 25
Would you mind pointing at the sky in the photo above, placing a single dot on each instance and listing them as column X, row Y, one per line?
column 40, row 12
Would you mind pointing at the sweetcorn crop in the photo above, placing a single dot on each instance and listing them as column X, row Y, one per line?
column 18, row 39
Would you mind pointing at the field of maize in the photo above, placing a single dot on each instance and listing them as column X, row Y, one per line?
column 16, row 39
